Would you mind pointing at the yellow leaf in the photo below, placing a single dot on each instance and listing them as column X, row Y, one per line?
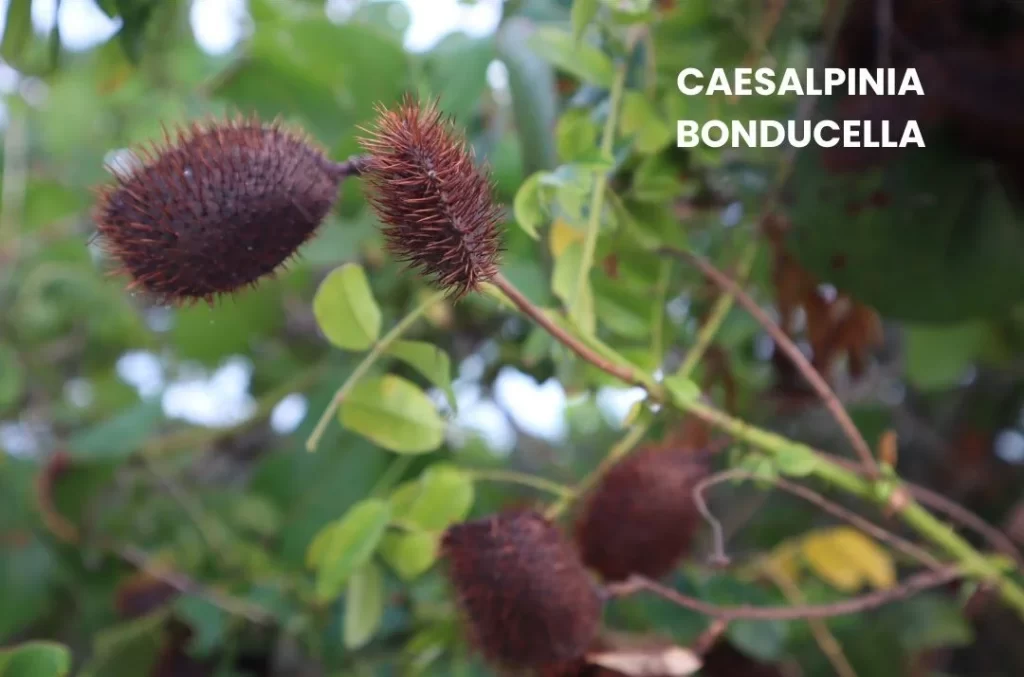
column 562, row 235
column 847, row 559
column 784, row 560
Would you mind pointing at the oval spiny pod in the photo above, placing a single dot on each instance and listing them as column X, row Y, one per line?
column 437, row 206
column 527, row 600
column 640, row 518
column 216, row 209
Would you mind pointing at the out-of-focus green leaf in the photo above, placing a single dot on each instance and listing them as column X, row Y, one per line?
column 364, row 605
column 208, row 623
column 410, row 555
column 445, row 496
column 457, row 72
column 642, row 121
column 120, row 436
column 12, row 377
column 531, row 82
column 128, row 650
column 17, row 30
column 429, row 360
column 345, row 309
column 528, row 207
column 394, row 414
column 35, row 659
column 347, row 544
column 583, row 60
column 583, row 12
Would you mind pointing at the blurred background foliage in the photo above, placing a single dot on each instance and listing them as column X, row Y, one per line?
column 136, row 441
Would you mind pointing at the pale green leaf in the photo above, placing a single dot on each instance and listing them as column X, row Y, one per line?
column 445, row 496
column 395, row 414
column 527, row 206
column 682, row 390
column 582, row 60
column 35, row 659
column 350, row 543
column 429, row 360
column 364, row 605
column 583, row 12
column 345, row 309
column 410, row 555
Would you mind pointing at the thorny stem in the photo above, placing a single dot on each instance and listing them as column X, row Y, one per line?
column 812, row 376
column 368, row 361
column 912, row 586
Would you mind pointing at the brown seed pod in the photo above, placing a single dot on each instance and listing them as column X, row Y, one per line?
column 527, row 600
column 437, row 206
column 215, row 209
column 640, row 518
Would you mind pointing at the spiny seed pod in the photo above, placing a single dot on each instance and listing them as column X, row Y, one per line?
column 436, row 205
column 640, row 518
column 215, row 209
column 527, row 600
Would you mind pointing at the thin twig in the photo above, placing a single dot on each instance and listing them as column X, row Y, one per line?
column 185, row 585
column 913, row 585
column 368, row 361
column 826, row 641
column 527, row 307
column 815, row 379
column 522, row 479
column 897, row 542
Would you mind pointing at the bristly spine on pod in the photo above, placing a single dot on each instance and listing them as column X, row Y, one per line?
column 527, row 600
column 436, row 205
column 216, row 208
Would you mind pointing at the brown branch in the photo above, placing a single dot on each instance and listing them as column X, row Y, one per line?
column 913, row 585
column 565, row 338
column 823, row 390
column 906, row 547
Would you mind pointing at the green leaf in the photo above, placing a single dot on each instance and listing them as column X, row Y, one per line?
column 12, row 377
column 582, row 60
column 795, row 461
column 564, row 281
column 528, row 207
column 583, row 12
column 208, row 623
column 457, row 72
column 576, row 135
column 35, row 659
column 931, row 621
column 364, row 605
column 927, row 238
column 349, row 543
column 641, row 120
column 531, row 82
column 394, row 414
column 429, row 360
column 445, row 496
column 345, row 309
column 17, row 30
column 682, row 390
column 122, row 435
column 938, row 357
column 410, row 555
column 129, row 649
